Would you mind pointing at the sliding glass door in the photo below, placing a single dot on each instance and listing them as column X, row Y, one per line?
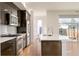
column 69, row 28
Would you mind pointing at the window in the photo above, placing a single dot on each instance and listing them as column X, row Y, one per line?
column 68, row 27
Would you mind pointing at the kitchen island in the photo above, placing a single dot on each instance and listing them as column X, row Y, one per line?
column 58, row 47
column 47, row 46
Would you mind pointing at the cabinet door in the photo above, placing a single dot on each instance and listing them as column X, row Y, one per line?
column 8, row 48
column 51, row 48
column 14, row 11
column 5, row 9
column 23, row 18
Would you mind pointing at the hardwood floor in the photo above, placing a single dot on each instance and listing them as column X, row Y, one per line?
column 69, row 48
column 33, row 50
column 26, row 51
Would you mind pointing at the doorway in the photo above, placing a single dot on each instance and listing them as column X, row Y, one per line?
column 39, row 27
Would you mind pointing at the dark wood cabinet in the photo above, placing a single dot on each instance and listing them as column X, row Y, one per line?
column 22, row 21
column 24, row 25
column 23, row 18
column 51, row 48
column 8, row 48
column 4, row 8
column 4, row 19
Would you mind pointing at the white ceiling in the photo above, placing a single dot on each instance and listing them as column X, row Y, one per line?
column 20, row 5
column 54, row 5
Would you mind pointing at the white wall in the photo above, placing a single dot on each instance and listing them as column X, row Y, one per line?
column 37, row 14
column 52, row 21
column 52, row 24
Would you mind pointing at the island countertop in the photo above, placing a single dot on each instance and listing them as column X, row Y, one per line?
column 50, row 38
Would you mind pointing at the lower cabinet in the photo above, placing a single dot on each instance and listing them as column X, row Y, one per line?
column 8, row 48
column 51, row 48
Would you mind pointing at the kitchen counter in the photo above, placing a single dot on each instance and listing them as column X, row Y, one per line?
column 50, row 38
column 47, row 38
column 3, row 39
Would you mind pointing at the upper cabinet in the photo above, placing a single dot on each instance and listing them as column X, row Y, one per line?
column 8, row 14
column 5, row 11
column 22, row 21
column 6, row 7
column 22, row 18
column 2, row 16
column 14, row 11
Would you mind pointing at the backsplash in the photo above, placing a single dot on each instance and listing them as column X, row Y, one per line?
column 5, row 29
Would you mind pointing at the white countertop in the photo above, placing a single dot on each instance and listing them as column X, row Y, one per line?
column 50, row 38
column 47, row 38
column 3, row 39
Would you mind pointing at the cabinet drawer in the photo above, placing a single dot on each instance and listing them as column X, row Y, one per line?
column 7, row 44
column 8, row 48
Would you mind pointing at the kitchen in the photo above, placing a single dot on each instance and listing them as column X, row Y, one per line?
column 35, row 29
column 13, row 24
column 16, row 33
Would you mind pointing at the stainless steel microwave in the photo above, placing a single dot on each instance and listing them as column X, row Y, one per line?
column 11, row 19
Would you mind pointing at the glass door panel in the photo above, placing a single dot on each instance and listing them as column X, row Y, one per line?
column 73, row 31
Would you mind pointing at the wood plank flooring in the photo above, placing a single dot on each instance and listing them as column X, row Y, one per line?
column 69, row 48
column 34, row 49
